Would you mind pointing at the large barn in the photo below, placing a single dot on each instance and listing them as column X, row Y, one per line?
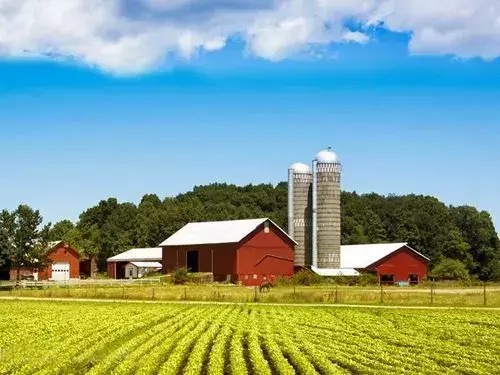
column 393, row 263
column 65, row 265
column 246, row 251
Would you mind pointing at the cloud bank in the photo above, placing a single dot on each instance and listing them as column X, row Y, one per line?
column 137, row 36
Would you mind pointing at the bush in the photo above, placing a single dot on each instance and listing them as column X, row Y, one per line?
column 305, row 277
column 364, row 279
column 180, row 276
column 450, row 269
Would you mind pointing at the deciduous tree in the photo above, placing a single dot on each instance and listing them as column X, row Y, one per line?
column 24, row 239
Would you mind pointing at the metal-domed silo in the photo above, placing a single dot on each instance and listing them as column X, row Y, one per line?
column 326, row 210
column 300, row 211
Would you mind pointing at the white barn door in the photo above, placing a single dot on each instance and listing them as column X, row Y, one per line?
column 60, row 271
column 130, row 271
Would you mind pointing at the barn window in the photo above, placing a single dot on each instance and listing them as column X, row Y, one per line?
column 246, row 277
column 255, row 276
column 266, row 227
column 387, row 279
column 413, row 279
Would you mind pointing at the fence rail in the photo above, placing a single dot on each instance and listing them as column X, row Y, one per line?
column 154, row 289
column 81, row 283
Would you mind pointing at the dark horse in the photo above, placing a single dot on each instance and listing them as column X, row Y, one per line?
column 265, row 286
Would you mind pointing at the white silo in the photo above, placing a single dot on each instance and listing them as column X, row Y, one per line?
column 326, row 210
column 300, row 211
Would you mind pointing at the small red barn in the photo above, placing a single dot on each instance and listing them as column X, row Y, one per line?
column 246, row 251
column 393, row 263
column 65, row 264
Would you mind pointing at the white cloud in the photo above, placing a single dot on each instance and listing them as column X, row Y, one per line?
column 465, row 28
column 135, row 36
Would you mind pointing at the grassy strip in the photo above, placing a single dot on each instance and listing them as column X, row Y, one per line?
column 283, row 294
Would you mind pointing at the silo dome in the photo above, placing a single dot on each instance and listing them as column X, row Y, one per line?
column 327, row 156
column 300, row 168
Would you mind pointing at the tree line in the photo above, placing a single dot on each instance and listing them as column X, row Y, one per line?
column 461, row 234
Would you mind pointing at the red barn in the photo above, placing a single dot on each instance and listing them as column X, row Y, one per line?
column 246, row 251
column 65, row 264
column 393, row 263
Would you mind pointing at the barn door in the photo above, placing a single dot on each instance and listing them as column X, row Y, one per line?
column 60, row 271
column 192, row 261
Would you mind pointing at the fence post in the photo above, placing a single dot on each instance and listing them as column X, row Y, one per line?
column 294, row 292
column 153, row 294
column 336, row 293
column 484, row 293
column 381, row 293
column 432, row 292
column 185, row 293
column 255, row 295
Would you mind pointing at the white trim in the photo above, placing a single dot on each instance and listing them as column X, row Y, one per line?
column 282, row 231
column 415, row 251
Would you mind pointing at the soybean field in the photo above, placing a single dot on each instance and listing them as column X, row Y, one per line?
column 40, row 337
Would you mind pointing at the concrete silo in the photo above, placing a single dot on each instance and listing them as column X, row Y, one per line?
column 300, row 211
column 326, row 210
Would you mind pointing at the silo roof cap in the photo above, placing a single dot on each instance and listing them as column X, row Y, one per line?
column 300, row 168
column 327, row 156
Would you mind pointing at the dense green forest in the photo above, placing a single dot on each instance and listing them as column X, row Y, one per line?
column 435, row 229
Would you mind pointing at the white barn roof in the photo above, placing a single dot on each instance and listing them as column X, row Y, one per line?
column 153, row 254
column 335, row 271
column 361, row 256
column 147, row 264
column 215, row 232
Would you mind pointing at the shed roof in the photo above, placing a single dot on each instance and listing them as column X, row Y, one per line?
column 362, row 256
column 216, row 232
column 335, row 271
column 147, row 264
column 137, row 255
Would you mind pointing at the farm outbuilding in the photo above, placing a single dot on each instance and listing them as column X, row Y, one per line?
column 393, row 263
column 117, row 264
column 246, row 251
column 65, row 264
column 136, row 270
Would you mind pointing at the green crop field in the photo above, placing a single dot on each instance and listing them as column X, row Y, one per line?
column 40, row 337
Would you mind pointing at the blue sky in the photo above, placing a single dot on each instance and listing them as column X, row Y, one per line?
column 404, row 116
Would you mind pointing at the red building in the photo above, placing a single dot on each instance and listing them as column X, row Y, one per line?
column 246, row 251
column 65, row 264
column 393, row 263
